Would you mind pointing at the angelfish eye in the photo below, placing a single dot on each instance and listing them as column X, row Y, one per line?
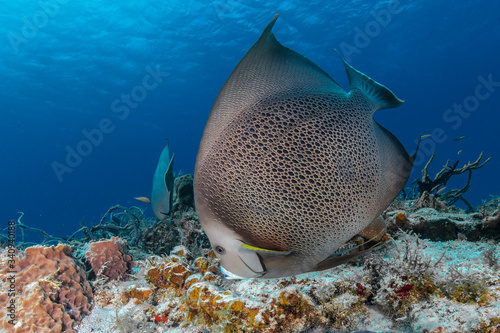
column 220, row 250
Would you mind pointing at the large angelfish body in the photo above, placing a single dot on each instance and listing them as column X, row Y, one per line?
column 291, row 166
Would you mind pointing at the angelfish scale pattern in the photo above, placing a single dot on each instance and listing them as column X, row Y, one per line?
column 300, row 166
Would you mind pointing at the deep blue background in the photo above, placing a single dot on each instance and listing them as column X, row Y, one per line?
column 63, row 63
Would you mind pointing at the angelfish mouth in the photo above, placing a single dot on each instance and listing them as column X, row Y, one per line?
column 230, row 276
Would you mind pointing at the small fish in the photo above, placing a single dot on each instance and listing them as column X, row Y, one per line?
column 291, row 166
column 425, row 136
column 460, row 138
column 143, row 199
column 163, row 186
column 440, row 190
column 459, row 152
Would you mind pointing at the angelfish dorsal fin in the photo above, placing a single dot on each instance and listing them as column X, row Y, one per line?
column 381, row 96
column 267, row 70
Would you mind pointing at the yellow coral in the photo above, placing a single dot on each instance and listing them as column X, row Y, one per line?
column 401, row 218
column 192, row 279
column 201, row 264
column 139, row 295
column 169, row 274
column 208, row 305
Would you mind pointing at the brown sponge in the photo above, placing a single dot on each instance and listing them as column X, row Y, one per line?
column 52, row 291
column 110, row 258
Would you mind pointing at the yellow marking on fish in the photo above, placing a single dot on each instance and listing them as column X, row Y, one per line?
column 255, row 248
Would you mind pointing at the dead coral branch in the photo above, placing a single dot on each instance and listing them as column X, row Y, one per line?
column 438, row 184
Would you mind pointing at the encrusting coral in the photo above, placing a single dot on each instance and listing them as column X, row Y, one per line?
column 52, row 291
column 178, row 290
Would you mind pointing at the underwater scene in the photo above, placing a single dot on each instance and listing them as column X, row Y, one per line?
column 250, row 166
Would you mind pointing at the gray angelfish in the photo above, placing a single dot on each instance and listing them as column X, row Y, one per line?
column 163, row 186
column 291, row 166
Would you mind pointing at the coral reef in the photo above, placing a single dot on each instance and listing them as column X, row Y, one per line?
column 126, row 223
column 143, row 235
column 52, row 291
column 109, row 259
column 440, row 274
column 179, row 290
column 436, row 286
column 444, row 225
column 184, row 227
column 436, row 186
column 414, row 286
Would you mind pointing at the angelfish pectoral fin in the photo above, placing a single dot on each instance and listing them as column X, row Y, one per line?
column 253, row 256
column 264, row 252
column 374, row 232
column 337, row 260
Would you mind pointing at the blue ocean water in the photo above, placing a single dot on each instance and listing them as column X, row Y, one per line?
column 91, row 90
